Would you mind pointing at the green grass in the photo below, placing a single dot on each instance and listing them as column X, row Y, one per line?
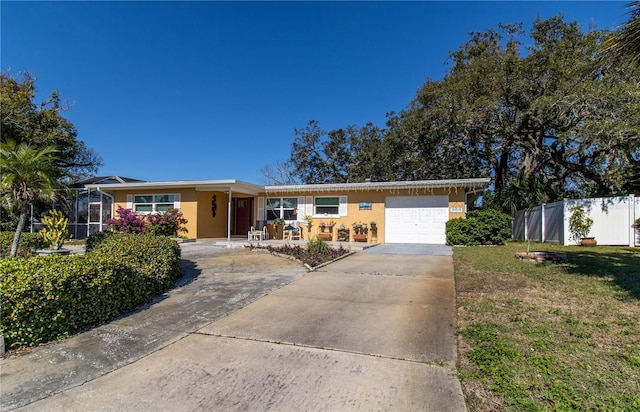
column 552, row 336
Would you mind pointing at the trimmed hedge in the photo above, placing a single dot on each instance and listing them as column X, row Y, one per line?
column 481, row 227
column 49, row 298
column 29, row 243
column 157, row 258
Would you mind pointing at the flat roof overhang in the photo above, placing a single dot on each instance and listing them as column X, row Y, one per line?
column 466, row 184
column 235, row 186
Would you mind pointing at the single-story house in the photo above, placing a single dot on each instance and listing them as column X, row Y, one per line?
column 401, row 212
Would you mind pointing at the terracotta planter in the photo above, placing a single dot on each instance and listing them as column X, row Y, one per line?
column 359, row 238
column 588, row 241
column 324, row 236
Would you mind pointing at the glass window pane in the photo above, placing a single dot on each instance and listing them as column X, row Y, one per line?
column 288, row 215
column 290, row 203
column 329, row 210
column 164, row 198
column 273, row 214
column 143, row 199
column 163, row 207
column 83, row 209
column 94, row 213
column 327, row 201
column 142, row 208
column 106, row 213
column 94, row 196
column 273, row 203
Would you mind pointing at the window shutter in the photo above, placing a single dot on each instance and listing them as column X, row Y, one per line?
column 176, row 200
column 130, row 202
column 308, row 206
column 301, row 209
column 342, row 209
column 261, row 208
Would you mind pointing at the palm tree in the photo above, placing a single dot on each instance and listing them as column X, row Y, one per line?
column 28, row 175
column 626, row 42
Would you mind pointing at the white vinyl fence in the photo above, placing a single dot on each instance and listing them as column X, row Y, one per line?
column 613, row 219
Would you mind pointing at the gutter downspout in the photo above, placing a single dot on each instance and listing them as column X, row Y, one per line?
column 474, row 191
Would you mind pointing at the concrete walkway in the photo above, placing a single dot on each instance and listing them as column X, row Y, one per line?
column 248, row 331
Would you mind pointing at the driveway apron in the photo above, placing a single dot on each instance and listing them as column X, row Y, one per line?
column 373, row 331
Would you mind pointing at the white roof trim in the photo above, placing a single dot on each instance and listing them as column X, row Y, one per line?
column 249, row 188
column 198, row 185
column 478, row 183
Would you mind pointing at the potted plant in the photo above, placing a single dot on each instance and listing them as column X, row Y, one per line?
column 580, row 226
column 373, row 225
column 322, row 226
column 55, row 233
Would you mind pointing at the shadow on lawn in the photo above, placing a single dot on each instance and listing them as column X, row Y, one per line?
column 623, row 267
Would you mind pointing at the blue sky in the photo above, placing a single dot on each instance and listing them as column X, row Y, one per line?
column 214, row 90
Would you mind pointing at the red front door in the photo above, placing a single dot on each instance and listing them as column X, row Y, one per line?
column 243, row 207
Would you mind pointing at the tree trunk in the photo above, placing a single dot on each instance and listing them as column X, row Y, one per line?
column 19, row 229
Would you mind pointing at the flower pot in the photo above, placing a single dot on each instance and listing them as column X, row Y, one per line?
column 588, row 241
column 325, row 236
column 359, row 238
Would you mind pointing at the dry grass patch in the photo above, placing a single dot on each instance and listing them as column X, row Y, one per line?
column 549, row 337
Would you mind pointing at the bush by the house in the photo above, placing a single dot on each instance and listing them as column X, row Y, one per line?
column 48, row 298
column 157, row 258
column 29, row 243
column 169, row 223
column 481, row 227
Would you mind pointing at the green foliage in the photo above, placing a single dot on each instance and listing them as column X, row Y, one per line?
column 579, row 223
column 47, row 298
column 29, row 243
column 481, row 227
column 169, row 223
column 318, row 246
column 157, row 258
column 95, row 239
column 56, row 231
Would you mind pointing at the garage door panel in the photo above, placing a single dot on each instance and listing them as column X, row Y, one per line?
column 416, row 219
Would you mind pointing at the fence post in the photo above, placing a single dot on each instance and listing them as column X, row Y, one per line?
column 542, row 224
column 632, row 219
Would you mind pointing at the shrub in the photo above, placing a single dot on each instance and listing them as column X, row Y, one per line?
column 127, row 222
column 46, row 298
column 481, row 227
column 157, row 258
column 169, row 223
column 95, row 239
column 29, row 243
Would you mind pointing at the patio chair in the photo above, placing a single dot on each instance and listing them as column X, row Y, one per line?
column 293, row 232
column 258, row 235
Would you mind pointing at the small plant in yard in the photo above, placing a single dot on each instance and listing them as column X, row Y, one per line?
column 55, row 231
column 317, row 252
column 579, row 224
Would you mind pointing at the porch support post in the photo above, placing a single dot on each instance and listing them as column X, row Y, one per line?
column 229, row 218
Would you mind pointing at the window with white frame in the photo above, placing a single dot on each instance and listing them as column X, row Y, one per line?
column 326, row 206
column 282, row 208
column 153, row 203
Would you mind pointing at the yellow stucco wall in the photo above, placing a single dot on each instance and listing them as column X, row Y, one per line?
column 209, row 226
column 196, row 208
column 376, row 214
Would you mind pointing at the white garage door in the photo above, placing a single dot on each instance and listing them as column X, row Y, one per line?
column 416, row 219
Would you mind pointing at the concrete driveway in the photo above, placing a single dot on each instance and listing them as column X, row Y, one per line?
column 374, row 331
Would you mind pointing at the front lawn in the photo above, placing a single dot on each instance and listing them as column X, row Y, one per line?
column 552, row 336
